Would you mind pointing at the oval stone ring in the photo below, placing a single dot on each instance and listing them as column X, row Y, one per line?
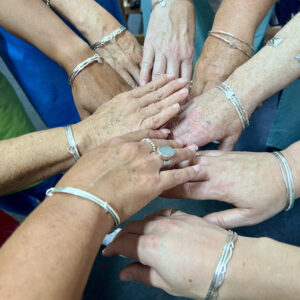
column 165, row 152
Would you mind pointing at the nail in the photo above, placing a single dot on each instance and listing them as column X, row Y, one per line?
column 104, row 251
column 165, row 131
column 193, row 147
column 184, row 91
column 176, row 106
column 182, row 80
column 142, row 82
column 197, row 168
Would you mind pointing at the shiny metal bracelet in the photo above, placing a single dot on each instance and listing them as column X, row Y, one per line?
column 48, row 2
column 162, row 3
column 96, row 57
column 233, row 36
column 88, row 196
column 231, row 44
column 221, row 270
column 72, row 144
column 287, row 178
column 108, row 38
column 236, row 102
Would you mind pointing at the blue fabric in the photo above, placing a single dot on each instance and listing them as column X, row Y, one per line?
column 44, row 82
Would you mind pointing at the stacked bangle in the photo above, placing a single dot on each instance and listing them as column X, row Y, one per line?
column 72, row 149
column 236, row 102
column 221, row 270
column 287, row 178
column 88, row 196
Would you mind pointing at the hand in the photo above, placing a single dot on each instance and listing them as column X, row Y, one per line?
column 216, row 63
column 126, row 173
column 177, row 253
column 95, row 85
column 169, row 43
column 148, row 107
column 252, row 182
column 208, row 118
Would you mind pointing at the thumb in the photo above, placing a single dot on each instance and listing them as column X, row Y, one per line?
column 231, row 218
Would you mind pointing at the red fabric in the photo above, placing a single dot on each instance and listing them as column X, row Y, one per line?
column 7, row 226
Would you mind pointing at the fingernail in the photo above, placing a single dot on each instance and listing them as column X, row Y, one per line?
column 197, row 168
column 176, row 106
column 126, row 277
column 193, row 147
column 182, row 80
column 184, row 91
column 165, row 131
column 104, row 251
column 142, row 82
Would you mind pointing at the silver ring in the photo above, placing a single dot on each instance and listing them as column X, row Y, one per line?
column 149, row 141
column 167, row 163
column 165, row 152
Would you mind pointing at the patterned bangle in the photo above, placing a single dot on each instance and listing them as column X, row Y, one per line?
column 236, row 102
column 221, row 270
column 83, row 65
column 88, row 196
column 72, row 149
column 287, row 178
column 108, row 38
column 231, row 44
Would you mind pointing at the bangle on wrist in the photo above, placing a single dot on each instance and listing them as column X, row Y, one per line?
column 162, row 3
column 90, row 197
column 72, row 149
column 287, row 178
column 221, row 269
column 96, row 57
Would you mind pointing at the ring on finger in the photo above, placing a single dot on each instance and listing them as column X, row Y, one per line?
column 166, row 162
column 165, row 152
column 149, row 141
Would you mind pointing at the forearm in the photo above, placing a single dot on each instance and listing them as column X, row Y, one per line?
column 270, row 70
column 56, row 247
column 37, row 24
column 91, row 19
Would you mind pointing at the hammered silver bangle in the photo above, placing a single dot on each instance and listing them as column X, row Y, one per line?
column 72, row 149
column 96, row 57
column 88, row 196
column 108, row 38
column 231, row 44
column 236, row 102
column 287, row 178
column 221, row 269
column 234, row 37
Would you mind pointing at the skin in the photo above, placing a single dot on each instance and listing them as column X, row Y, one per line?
column 57, row 244
column 211, row 117
column 94, row 22
column 169, row 43
column 54, row 38
column 153, row 105
column 180, row 253
column 252, row 182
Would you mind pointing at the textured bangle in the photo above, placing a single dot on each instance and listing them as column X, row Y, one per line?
column 88, row 196
column 72, row 144
column 108, row 38
column 231, row 44
column 96, row 57
column 221, row 270
column 236, row 102
column 233, row 36
column 287, row 178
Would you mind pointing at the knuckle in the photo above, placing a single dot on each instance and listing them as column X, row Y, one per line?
column 155, row 122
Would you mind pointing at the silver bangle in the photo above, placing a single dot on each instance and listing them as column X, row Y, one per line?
column 88, row 196
column 233, row 36
column 48, row 2
column 288, row 179
column 108, row 38
column 236, row 102
column 96, row 57
column 72, row 149
column 162, row 3
column 221, row 270
column 231, row 44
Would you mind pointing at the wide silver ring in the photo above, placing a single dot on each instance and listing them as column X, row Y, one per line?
column 165, row 152
column 149, row 141
column 166, row 162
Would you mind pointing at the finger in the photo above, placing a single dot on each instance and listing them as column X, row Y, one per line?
column 134, row 71
column 187, row 69
column 165, row 213
column 137, row 136
column 227, row 144
column 161, row 142
column 188, row 139
column 172, row 178
column 84, row 114
column 231, row 218
column 143, row 274
column 147, row 64
column 126, row 76
column 212, row 153
column 173, row 68
column 160, row 65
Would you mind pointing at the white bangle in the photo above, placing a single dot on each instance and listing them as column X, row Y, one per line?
column 236, row 102
column 72, row 149
column 88, row 196
column 96, row 57
column 287, row 178
column 221, row 270
column 108, row 38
